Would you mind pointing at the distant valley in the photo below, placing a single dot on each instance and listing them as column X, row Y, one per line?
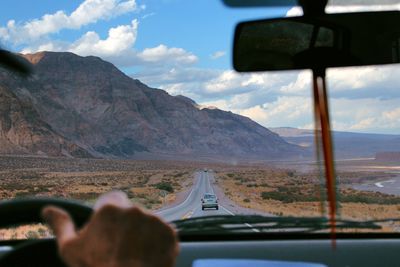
column 347, row 144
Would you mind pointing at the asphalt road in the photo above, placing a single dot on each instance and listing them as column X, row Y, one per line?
column 191, row 206
column 390, row 186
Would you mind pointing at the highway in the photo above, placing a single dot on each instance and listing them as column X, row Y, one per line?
column 391, row 186
column 191, row 205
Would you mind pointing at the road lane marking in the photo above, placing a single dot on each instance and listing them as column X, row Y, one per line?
column 186, row 200
column 247, row 224
column 228, row 211
column 252, row 228
column 209, row 185
column 380, row 184
column 187, row 215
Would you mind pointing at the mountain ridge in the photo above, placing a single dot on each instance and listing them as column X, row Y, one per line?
column 91, row 104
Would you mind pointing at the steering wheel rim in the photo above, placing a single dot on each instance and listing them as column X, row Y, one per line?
column 28, row 211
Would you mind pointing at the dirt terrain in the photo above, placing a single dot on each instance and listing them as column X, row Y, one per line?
column 149, row 184
column 283, row 189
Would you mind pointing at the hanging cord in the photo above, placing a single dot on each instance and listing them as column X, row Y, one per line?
column 318, row 149
column 322, row 113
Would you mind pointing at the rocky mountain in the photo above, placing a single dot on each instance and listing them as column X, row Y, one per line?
column 85, row 106
column 22, row 130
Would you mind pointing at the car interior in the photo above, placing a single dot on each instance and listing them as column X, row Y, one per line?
column 316, row 41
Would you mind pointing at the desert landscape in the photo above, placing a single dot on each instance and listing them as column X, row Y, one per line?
column 149, row 184
column 289, row 192
column 281, row 189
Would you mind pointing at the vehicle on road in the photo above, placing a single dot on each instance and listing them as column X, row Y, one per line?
column 209, row 201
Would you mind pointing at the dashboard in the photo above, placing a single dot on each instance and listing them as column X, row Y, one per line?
column 347, row 252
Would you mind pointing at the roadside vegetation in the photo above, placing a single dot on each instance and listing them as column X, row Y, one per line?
column 287, row 192
column 149, row 184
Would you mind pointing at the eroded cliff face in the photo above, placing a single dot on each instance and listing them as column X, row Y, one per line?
column 88, row 104
column 22, row 131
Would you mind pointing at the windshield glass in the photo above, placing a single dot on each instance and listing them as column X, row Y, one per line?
column 140, row 97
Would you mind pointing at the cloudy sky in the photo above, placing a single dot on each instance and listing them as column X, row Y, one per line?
column 184, row 47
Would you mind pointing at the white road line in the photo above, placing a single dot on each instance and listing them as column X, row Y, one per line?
column 187, row 215
column 247, row 224
column 228, row 211
column 233, row 214
column 209, row 185
column 380, row 184
column 186, row 200
column 252, row 228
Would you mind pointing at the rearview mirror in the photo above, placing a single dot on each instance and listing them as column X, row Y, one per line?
column 330, row 40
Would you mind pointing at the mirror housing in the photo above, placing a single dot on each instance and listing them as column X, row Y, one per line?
column 328, row 40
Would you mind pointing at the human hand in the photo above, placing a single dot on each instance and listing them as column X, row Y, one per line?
column 117, row 235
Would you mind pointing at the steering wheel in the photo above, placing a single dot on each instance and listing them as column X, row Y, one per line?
column 42, row 252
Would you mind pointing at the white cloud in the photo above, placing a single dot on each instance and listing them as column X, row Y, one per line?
column 90, row 11
column 367, row 115
column 392, row 115
column 232, row 82
column 217, row 54
column 297, row 11
column 162, row 53
column 148, row 15
column 285, row 111
column 120, row 39
column 300, row 86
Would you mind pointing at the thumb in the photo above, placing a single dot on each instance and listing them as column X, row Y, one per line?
column 61, row 224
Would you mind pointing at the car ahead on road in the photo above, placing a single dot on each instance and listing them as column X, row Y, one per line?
column 209, row 201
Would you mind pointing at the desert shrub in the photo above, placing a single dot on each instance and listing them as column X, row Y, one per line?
column 42, row 232
column 29, row 175
column 230, row 175
column 244, row 180
column 84, row 196
column 129, row 193
column 23, row 194
column 290, row 173
column 288, row 197
column 369, row 198
column 246, row 200
column 153, row 201
column 283, row 189
column 32, row 235
column 167, row 186
column 179, row 174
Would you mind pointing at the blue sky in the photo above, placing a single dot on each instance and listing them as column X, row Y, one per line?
column 184, row 47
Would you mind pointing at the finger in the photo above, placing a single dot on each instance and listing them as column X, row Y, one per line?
column 115, row 198
column 61, row 224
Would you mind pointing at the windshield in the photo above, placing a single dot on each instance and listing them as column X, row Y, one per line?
column 141, row 97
